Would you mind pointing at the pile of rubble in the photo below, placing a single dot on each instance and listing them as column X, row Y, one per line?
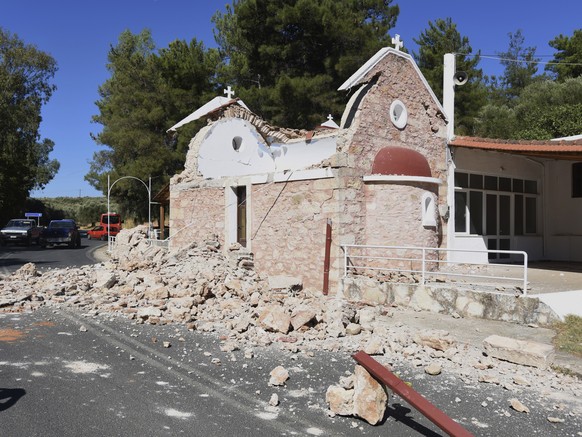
column 209, row 290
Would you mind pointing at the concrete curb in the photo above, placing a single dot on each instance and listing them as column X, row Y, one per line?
column 99, row 253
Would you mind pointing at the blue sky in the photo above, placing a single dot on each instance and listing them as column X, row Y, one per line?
column 79, row 34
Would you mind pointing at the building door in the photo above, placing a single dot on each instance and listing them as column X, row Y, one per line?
column 241, row 215
column 498, row 224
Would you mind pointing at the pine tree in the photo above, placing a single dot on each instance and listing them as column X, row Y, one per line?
column 287, row 58
column 148, row 92
column 442, row 37
column 568, row 58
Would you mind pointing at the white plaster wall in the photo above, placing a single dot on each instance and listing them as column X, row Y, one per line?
column 494, row 163
column 563, row 214
column 566, row 217
column 463, row 247
column 301, row 154
column 218, row 158
column 534, row 246
column 564, row 248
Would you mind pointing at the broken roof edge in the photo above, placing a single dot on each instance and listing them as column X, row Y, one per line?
column 359, row 76
column 213, row 105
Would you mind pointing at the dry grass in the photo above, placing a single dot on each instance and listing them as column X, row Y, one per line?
column 569, row 335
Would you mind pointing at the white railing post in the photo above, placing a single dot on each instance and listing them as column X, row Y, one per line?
column 525, row 273
column 423, row 265
column 345, row 261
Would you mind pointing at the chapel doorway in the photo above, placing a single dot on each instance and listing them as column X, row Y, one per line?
column 241, row 215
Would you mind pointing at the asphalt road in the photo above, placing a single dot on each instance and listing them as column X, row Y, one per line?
column 67, row 374
column 12, row 257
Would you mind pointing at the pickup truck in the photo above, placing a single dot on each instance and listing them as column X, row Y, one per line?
column 20, row 231
column 61, row 232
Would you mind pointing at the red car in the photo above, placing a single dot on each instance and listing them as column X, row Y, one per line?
column 100, row 233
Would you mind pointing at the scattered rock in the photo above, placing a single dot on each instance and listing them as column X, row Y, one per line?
column 353, row 329
column 275, row 318
column 279, row 375
column 204, row 289
column 440, row 341
column 518, row 406
column 340, row 400
column 433, row 369
column 367, row 399
column 274, row 401
column 527, row 353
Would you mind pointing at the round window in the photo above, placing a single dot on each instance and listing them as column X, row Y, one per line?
column 398, row 114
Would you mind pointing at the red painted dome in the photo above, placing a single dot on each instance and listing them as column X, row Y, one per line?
column 400, row 161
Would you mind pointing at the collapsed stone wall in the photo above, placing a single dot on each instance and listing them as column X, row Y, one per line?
column 212, row 290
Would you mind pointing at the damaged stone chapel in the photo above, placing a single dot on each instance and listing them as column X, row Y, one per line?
column 377, row 178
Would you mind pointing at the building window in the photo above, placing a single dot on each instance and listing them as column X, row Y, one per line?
column 398, row 114
column 237, row 143
column 577, row 179
column 496, row 207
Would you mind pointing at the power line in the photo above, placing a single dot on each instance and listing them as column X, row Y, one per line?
column 499, row 58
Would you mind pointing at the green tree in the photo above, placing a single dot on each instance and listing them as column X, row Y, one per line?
column 567, row 62
column 520, row 66
column 548, row 109
column 287, row 58
column 442, row 37
column 544, row 110
column 25, row 85
column 146, row 94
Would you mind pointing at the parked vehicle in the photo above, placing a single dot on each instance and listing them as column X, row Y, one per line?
column 99, row 233
column 23, row 231
column 61, row 232
column 113, row 220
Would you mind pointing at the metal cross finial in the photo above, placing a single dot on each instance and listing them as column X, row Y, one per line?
column 330, row 117
column 229, row 92
column 397, row 43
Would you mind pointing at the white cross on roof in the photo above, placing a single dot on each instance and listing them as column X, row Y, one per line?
column 229, row 92
column 397, row 43
column 330, row 117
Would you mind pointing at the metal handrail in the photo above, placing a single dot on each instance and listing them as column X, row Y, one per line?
column 423, row 259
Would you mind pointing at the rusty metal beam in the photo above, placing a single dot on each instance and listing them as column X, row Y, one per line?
column 326, row 261
column 411, row 396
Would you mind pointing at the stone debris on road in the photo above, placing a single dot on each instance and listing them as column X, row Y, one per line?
column 211, row 291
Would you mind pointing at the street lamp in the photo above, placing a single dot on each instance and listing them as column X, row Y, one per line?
column 147, row 187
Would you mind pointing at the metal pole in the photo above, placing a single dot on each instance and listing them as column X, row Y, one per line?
column 150, row 208
column 108, row 208
column 326, row 261
column 429, row 410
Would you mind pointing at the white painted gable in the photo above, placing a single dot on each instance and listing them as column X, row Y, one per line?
column 234, row 147
column 207, row 108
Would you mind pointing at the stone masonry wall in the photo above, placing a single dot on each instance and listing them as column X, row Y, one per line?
column 196, row 213
column 394, row 216
column 288, row 229
column 395, row 78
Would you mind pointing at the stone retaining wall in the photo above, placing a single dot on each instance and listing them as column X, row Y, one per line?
column 447, row 299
